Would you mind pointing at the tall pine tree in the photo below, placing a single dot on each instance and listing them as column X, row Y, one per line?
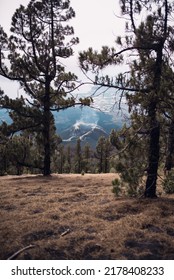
column 36, row 51
column 146, row 49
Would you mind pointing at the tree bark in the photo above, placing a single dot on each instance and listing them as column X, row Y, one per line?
column 154, row 149
column 154, row 141
column 46, row 131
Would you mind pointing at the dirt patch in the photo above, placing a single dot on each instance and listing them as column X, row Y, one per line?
column 78, row 217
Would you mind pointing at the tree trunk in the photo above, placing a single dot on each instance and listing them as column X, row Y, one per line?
column 154, row 149
column 46, row 132
column 154, row 145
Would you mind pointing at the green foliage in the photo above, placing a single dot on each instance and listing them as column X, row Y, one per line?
column 20, row 154
column 67, row 167
column 40, row 40
column 86, row 158
column 103, row 150
column 116, row 187
column 131, row 157
column 91, row 60
column 78, row 157
column 168, row 183
column 147, row 83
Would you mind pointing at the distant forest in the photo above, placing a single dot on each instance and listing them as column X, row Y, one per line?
column 34, row 54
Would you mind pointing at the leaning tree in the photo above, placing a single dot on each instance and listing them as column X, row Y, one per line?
column 146, row 51
column 35, row 54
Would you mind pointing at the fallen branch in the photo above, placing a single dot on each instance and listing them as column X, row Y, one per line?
column 20, row 251
column 65, row 232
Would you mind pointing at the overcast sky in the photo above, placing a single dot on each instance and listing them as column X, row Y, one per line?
column 95, row 24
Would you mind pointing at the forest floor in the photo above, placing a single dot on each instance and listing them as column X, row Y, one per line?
column 78, row 217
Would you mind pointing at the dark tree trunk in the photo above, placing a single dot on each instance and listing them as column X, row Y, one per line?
column 101, row 162
column 154, row 145
column 154, row 149
column 47, row 158
column 46, row 132
column 61, row 160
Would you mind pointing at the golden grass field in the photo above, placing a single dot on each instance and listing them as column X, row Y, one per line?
column 78, row 217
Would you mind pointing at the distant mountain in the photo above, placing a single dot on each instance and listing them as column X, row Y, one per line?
column 86, row 123
column 89, row 124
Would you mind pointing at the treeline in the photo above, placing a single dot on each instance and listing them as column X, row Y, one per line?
column 24, row 154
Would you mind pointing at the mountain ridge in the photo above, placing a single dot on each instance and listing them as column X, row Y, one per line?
column 84, row 123
column 87, row 123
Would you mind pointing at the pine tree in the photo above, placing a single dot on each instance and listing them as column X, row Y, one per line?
column 102, row 153
column 150, row 40
column 61, row 159
column 36, row 49
column 78, row 157
column 86, row 157
column 67, row 165
column 130, row 157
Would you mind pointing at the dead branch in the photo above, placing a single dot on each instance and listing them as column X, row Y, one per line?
column 65, row 232
column 21, row 250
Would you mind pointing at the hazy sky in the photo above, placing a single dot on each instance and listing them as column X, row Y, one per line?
column 95, row 24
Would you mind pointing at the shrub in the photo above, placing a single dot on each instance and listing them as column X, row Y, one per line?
column 116, row 187
column 168, row 184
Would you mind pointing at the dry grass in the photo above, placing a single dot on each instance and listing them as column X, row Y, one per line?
column 37, row 210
